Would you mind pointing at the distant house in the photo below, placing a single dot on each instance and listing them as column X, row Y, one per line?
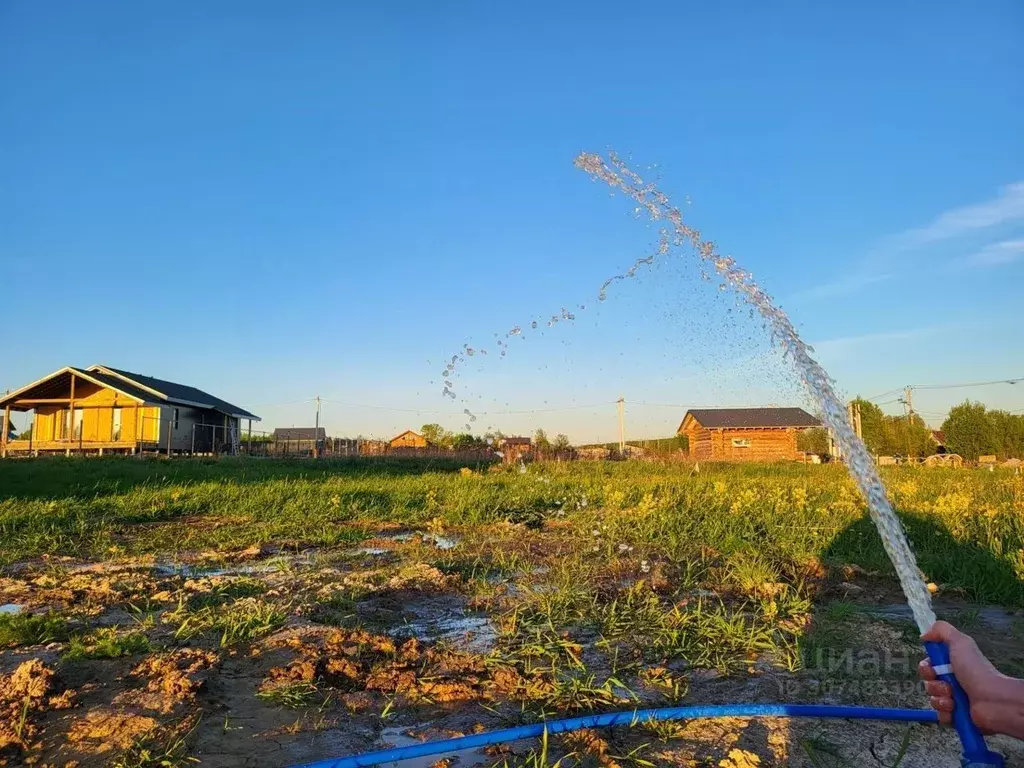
column 408, row 439
column 939, row 438
column 514, row 448
column 745, row 434
column 298, row 439
column 101, row 409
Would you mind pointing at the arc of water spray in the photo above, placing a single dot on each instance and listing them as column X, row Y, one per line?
column 657, row 205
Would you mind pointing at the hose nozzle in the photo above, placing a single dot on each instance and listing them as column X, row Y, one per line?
column 976, row 753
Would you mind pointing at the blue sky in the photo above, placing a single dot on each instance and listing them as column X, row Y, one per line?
column 276, row 200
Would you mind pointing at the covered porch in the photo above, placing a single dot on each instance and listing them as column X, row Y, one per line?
column 75, row 411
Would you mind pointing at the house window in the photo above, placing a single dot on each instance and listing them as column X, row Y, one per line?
column 76, row 430
column 175, row 419
column 115, row 425
column 740, row 442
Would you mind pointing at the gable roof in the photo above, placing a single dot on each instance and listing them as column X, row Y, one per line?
column 180, row 394
column 300, row 433
column 52, row 381
column 750, row 418
column 407, row 432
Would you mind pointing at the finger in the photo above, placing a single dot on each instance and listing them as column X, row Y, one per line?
column 938, row 688
column 941, row 703
column 946, row 718
column 941, row 631
column 924, row 669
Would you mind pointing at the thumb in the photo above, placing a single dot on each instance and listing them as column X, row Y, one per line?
column 941, row 631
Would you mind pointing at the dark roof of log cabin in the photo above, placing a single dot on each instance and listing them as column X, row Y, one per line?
column 751, row 418
column 181, row 394
column 300, row 433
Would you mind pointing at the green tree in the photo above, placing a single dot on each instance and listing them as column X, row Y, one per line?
column 873, row 428
column 561, row 443
column 437, row 435
column 540, row 440
column 909, row 436
column 465, row 441
column 969, row 431
column 814, row 440
column 1008, row 433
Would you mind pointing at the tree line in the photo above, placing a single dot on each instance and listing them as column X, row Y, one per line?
column 970, row 430
column 439, row 437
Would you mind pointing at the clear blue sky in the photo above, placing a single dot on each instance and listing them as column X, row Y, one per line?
column 275, row 200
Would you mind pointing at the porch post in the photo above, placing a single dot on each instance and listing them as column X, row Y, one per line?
column 69, row 424
column 7, row 428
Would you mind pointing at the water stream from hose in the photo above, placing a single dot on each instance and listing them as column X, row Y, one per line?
column 676, row 233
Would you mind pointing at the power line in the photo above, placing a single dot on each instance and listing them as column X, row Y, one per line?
column 970, row 384
column 690, row 405
column 1016, row 380
column 462, row 413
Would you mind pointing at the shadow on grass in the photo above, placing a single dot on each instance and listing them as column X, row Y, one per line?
column 88, row 477
column 942, row 557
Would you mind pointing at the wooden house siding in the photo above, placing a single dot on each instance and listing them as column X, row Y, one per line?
column 745, row 434
column 743, row 444
column 97, row 404
column 409, row 440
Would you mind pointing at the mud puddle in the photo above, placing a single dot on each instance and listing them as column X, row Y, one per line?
column 445, row 619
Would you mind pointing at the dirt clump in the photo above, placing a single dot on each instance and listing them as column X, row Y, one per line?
column 172, row 679
column 103, row 730
column 354, row 661
column 24, row 695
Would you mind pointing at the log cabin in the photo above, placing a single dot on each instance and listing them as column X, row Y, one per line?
column 102, row 409
column 745, row 434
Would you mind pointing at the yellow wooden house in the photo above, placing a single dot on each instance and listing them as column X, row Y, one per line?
column 102, row 409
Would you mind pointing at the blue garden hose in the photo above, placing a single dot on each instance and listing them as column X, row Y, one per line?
column 633, row 717
column 976, row 753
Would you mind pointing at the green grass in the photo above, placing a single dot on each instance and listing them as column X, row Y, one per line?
column 296, row 694
column 106, row 643
column 238, row 622
column 32, row 629
column 966, row 526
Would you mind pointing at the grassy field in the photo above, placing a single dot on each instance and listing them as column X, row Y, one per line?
column 273, row 612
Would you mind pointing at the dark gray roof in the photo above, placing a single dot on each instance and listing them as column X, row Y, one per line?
column 736, row 418
column 181, row 393
column 300, row 433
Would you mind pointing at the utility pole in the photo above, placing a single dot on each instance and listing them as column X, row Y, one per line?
column 316, row 430
column 621, row 405
column 908, row 404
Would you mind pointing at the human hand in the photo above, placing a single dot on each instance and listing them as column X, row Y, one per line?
column 997, row 701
